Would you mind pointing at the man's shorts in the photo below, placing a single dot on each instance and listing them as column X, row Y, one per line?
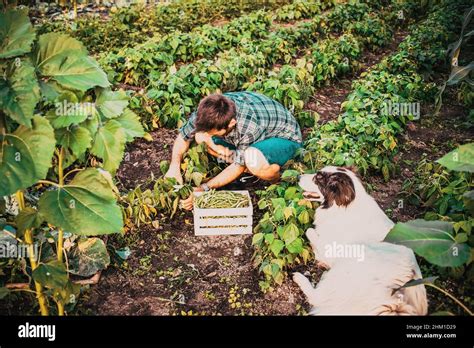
column 275, row 150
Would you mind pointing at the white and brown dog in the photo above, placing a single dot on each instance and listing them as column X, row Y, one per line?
column 347, row 239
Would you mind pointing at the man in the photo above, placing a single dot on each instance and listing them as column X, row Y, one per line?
column 248, row 130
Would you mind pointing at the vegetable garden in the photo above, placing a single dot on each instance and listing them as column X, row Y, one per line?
column 89, row 106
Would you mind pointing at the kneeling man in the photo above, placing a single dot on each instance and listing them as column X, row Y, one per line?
column 248, row 130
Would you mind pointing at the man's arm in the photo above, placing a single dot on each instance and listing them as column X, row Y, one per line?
column 225, row 177
column 180, row 147
column 228, row 175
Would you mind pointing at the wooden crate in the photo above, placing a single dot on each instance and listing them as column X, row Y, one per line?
column 211, row 222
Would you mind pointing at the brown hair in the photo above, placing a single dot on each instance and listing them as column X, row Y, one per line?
column 214, row 112
column 336, row 187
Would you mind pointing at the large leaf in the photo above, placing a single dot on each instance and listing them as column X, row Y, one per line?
column 85, row 206
column 461, row 159
column 111, row 104
column 131, row 125
column 69, row 110
column 459, row 73
column 433, row 240
column 52, row 275
column 109, row 145
column 89, row 257
column 54, row 45
column 16, row 33
column 77, row 139
column 65, row 60
column 20, row 92
column 25, row 156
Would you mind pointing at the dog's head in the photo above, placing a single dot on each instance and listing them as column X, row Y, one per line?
column 331, row 185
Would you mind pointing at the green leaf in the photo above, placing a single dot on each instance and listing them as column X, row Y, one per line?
column 459, row 73
column 461, row 159
column 52, row 275
column 65, row 60
column 69, row 111
column 111, row 104
column 290, row 175
column 20, row 92
column 295, row 247
column 25, row 156
column 468, row 198
column 291, row 193
column 131, row 125
column 304, row 217
column 278, row 203
column 257, row 238
column 89, row 257
column 85, row 206
column 277, row 246
column 109, row 145
column 28, row 218
column 76, row 139
column 290, row 233
column 433, row 240
column 164, row 166
column 415, row 282
column 16, row 33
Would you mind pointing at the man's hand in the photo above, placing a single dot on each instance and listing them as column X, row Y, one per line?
column 203, row 137
column 174, row 172
column 187, row 203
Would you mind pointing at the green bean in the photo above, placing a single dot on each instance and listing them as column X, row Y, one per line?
column 222, row 200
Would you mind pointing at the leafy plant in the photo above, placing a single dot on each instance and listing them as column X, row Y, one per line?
column 278, row 238
column 57, row 112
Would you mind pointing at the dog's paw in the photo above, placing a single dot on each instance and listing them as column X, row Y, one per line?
column 299, row 278
column 322, row 265
column 311, row 234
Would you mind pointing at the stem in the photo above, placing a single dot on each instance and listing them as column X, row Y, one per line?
column 451, row 297
column 72, row 171
column 47, row 182
column 60, row 166
column 60, row 244
column 31, row 252
column 74, row 2
column 59, row 250
column 3, row 124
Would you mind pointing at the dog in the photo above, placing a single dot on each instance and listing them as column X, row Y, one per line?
column 365, row 274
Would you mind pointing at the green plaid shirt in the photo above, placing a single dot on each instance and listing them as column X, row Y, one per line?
column 258, row 118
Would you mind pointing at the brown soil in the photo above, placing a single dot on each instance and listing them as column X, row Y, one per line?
column 327, row 100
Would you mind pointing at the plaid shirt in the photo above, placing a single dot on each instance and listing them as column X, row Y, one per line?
column 258, row 118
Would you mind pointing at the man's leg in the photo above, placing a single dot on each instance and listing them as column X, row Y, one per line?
column 258, row 165
column 265, row 158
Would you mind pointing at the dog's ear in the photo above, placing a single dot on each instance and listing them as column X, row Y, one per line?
column 352, row 168
column 342, row 189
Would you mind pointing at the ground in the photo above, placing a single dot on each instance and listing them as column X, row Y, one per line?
column 171, row 271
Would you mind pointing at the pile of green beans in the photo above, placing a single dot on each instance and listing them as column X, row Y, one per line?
column 222, row 199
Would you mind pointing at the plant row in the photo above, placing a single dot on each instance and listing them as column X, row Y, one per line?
column 362, row 135
column 172, row 94
column 137, row 23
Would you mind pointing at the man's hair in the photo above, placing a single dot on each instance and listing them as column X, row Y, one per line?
column 214, row 112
